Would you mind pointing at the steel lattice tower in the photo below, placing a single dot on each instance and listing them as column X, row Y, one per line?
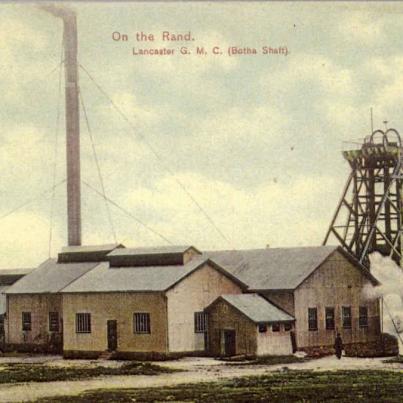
column 368, row 216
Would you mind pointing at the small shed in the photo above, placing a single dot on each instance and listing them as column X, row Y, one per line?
column 247, row 324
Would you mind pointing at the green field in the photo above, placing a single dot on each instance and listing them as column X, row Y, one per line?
column 288, row 386
column 268, row 360
column 13, row 373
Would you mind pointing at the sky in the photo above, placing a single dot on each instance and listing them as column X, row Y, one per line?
column 256, row 140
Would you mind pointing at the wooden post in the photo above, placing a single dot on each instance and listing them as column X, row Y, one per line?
column 72, row 122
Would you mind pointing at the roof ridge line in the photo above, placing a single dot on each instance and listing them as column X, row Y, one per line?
column 72, row 281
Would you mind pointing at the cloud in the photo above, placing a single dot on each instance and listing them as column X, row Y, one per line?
column 363, row 27
column 16, row 32
column 26, row 158
column 20, row 42
column 311, row 72
column 255, row 140
column 24, row 248
column 275, row 213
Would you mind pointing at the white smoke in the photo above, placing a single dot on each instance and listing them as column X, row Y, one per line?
column 390, row 275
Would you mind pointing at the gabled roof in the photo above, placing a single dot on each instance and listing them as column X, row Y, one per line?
column 154, row 256
column 91, row 248
column 277, row 268
column 256, row 308
column 50, row 277
column 153, row 250
column 86, row 253
column 15, row 272
column 10, row 276
column 141, row 279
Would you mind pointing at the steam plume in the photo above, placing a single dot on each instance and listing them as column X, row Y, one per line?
column 391, row 289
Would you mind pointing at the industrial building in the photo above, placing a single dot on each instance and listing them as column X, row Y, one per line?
column 171, row 301
column 320, row 287
column 161, row 302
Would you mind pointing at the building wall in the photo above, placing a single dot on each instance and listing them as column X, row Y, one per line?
column 274, row 343
column 223, row 316
column 282, row 299
column 335, row 284
column 119, row 307
column 191, row 295
column 39, row 305
column 189, row 255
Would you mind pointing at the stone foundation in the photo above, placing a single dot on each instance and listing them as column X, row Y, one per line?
column 317, row 351
column 386, row 346
column 90, row 355
column 30, row 348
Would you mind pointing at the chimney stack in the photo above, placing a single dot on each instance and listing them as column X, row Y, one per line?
column 72, row 121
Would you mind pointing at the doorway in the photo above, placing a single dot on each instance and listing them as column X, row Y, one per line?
column 112, row 335
column 229, row 343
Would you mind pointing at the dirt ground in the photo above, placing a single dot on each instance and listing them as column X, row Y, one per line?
column 197, row 370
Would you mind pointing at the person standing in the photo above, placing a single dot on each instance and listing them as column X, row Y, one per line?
column 338, row 346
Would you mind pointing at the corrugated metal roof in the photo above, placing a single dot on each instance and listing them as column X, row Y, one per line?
column 10, row 276
column 272, row 268
column 156, row 250
column 94, row 253
column 15, row 272
column 150, row 278
column 257, row 308
column 155, row 256
column 50, row 277
column 91, row 248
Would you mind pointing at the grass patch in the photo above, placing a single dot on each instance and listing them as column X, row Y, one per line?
column 290, row 386
column 13, row 373
column 271, row 360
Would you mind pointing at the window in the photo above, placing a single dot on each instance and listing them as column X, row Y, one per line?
column 200, row 319
column 346, row 317
column 53, row 321
column 1, row 324
column 262, row 327
column 363, row 318
column 141, row 322
column 329, row 318
column 26, row 321
column 83, row 323
column 287, row 326
column 312, row 319
column 275, row 327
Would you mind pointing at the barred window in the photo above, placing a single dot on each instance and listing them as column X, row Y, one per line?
column 83, row 323
column 53, row 321
column 141, row 322
column 1, row 324
column 329, row 318
column 200, row 319
column 312, row 319
column 26, row 321
column 363, row 318
column 346, row 317
column 275, row 327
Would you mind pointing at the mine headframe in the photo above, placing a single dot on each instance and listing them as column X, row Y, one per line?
column 368, row 216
